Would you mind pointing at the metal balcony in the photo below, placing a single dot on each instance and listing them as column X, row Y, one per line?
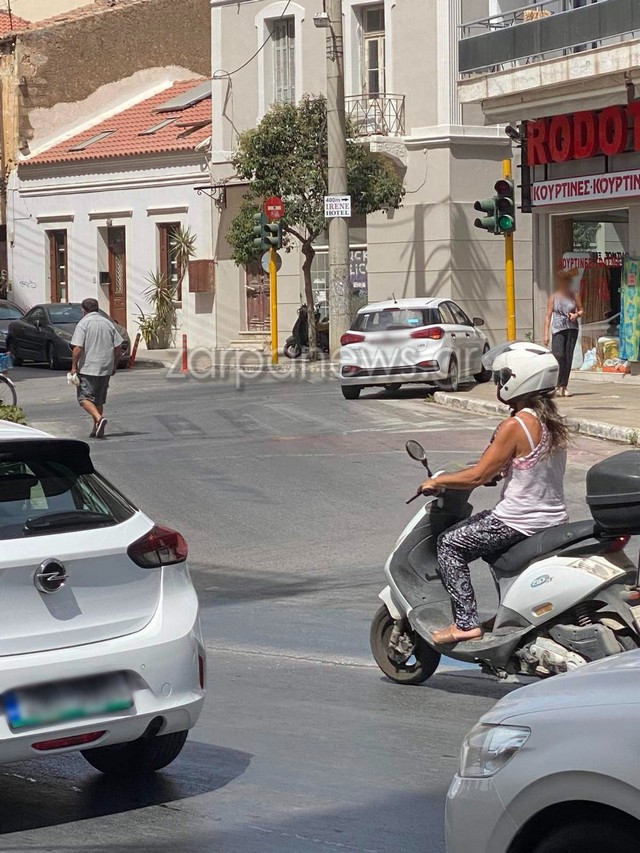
column 545, row 30
column 376, row 115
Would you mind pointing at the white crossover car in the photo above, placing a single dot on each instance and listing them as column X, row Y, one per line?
column 554, row 767
column 100, row 643
column 411, row 340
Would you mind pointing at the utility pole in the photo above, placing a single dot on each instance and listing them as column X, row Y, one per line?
column 339, row 280
column 509, row 267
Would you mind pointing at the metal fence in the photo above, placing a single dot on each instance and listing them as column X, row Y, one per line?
column 376, row 115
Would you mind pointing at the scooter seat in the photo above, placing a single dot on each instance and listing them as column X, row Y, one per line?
column 554, row 539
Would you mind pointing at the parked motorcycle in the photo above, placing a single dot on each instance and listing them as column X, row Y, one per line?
column 567, row 596
column 298, row 340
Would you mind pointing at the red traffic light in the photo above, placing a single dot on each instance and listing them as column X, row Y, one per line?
column 504, row 187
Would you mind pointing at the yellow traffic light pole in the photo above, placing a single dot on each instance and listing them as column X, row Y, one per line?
column 273, row 294
column 509, row 269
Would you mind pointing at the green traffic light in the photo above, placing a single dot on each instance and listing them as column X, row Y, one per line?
column 506, row 223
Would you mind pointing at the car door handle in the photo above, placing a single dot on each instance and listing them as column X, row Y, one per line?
column 467, row 334
column 453, row 334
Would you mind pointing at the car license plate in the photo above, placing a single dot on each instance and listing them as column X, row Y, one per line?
column 65, row 701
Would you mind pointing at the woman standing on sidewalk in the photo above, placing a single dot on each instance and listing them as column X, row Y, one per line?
column 564, row 309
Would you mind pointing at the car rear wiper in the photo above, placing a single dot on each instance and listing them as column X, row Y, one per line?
column 68, row 519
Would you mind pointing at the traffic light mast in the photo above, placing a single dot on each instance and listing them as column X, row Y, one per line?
column 500, row 219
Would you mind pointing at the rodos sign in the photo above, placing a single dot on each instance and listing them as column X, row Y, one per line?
column 582, row 135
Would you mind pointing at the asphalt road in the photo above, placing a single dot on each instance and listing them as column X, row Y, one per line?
column 291, row 499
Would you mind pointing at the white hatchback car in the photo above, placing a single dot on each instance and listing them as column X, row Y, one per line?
column 554, row 767
column 411, row 340
column 100, row 643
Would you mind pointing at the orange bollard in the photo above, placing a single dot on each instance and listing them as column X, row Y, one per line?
column 185, row 357
column 134, row 352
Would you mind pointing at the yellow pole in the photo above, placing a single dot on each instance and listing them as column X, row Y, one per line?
column 509, row 269
column 273, row 287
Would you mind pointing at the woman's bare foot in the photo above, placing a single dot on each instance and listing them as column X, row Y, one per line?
column 453, row 634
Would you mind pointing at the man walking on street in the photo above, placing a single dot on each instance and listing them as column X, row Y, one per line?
column 96, row 349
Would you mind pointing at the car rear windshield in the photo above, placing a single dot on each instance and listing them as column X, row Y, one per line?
column 65, row 313
column 40, row 496
column 9, row 312
column 395, row 318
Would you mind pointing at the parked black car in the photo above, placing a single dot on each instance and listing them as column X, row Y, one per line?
column 8, row 312
column 45, row 332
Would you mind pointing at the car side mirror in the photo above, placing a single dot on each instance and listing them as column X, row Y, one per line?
column 478, row 321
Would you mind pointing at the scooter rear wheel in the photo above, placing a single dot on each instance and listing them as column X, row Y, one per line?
column 418, row 668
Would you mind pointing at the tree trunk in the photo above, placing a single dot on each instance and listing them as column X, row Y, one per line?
column 309, row 254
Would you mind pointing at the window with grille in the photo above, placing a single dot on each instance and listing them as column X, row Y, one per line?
column 284, row 60
column 169, row 266
column 58, row 266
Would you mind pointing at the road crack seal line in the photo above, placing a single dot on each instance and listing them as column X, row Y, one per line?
column 302, row 658
column 334, row 845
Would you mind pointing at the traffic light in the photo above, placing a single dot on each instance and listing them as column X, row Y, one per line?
column 500, row 211
column 506, row 206
column 489, row 222
column 267, row 234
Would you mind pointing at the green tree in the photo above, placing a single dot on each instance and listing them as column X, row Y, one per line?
column 286, row 155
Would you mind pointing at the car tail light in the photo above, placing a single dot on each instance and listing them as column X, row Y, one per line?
column 433, row 333
column 159, row 547
column 616, row 545
column 350, row 369
column 351, row 338
column 62, row 742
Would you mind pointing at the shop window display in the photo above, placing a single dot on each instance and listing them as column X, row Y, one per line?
column 594, row 246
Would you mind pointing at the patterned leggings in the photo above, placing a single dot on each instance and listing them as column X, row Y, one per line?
column 482, row 535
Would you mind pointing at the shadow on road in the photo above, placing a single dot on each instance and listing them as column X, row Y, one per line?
column 64, row 790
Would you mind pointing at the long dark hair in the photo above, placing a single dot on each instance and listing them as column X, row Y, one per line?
column 548, row 414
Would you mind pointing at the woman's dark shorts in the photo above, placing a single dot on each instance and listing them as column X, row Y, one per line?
column 93, row 388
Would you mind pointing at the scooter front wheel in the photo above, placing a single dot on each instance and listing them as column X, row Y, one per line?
column 415, row 668
column 292, row 350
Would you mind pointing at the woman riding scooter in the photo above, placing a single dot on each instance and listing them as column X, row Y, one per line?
column 529, row 450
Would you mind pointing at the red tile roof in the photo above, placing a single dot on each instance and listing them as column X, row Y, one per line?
column 11, row 24
column 190, row 126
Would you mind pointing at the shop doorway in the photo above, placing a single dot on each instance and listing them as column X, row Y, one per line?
column 116, row 246
column 593, row 244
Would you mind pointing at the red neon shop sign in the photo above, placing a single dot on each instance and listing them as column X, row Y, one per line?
column 583, row 135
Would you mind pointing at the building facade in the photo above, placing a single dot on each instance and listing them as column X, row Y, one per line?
column 94, row 215
column 568, row 73
column 402, row 100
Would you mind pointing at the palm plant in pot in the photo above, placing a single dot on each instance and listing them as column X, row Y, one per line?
column 157, row 327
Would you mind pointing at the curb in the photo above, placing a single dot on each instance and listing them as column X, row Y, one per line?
column 594, row 429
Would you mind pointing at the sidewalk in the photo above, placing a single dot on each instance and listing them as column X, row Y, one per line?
column 599, row 408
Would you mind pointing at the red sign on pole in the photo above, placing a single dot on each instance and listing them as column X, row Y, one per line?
column 274, row 207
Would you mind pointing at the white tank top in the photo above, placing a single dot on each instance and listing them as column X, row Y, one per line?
column 533, row 494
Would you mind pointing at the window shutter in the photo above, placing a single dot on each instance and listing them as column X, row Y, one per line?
column 284, row 61
column 202, row 276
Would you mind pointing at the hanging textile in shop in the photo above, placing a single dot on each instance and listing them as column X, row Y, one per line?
column 630, row 321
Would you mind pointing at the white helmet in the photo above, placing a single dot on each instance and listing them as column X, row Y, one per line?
column 522, row 368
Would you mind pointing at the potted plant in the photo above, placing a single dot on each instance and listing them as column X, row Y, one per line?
column 157, row 327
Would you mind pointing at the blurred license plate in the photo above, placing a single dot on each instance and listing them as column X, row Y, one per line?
column 71, row 700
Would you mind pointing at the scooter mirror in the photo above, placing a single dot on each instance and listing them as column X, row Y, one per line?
column 416, row 451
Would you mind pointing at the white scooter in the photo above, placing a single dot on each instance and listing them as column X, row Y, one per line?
column 567, row 596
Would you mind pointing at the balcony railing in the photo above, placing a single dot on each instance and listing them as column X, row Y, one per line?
column 545, row 30
column 376, row 115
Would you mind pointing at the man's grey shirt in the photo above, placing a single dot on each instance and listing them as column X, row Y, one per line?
column 98, row 338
